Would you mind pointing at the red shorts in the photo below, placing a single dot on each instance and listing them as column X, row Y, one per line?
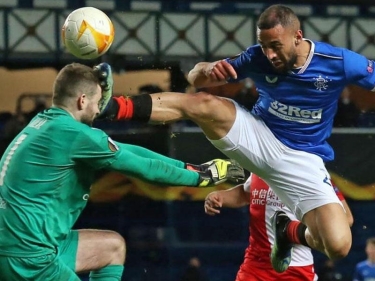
column 300, row 273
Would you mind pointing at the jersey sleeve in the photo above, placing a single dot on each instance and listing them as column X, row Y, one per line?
column 141, row 151
column 151, row 166
column 359, row 70
column 94, row 147
column 241, row 63
column 97, row 149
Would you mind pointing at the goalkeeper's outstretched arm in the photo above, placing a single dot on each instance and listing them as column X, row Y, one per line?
column 151, row 166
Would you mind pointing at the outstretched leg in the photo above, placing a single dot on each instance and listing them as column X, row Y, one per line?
column 214, row 115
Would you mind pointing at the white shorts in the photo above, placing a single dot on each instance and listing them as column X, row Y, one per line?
column 298, row 178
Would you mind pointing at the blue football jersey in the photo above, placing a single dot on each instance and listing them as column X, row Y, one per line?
column 364, row 271
column 299, row 106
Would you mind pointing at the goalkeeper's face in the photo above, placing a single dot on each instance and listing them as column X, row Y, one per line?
column 91, row 108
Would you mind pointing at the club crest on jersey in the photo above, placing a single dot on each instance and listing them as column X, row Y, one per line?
column 321, row 83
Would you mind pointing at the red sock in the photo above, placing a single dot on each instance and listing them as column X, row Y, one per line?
column 293, row 233
column 126, row 108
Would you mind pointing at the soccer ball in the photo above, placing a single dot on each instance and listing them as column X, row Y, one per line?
column 87, row 33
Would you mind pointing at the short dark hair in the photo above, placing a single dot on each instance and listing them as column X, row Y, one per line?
column 73, row 79
column 278, row 14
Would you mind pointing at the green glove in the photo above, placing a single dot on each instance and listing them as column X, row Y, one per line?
column 218, row 171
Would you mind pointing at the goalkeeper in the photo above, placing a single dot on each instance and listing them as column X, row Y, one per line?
column 45, row 179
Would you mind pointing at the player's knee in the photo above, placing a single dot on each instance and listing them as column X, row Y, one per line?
column 117, row 248
column 204, row 105
column 340, row 249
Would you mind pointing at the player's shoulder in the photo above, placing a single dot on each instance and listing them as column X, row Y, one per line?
column 86, row 137
column 254, row 50
column 69, row 128
column 91, row 132
column 326, row 50
column 57, row 122
column 362, row 264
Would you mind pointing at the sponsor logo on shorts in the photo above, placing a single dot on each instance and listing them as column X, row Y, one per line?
column 294, row 113
column 327, row 181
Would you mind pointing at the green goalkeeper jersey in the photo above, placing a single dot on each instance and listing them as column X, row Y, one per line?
column 46, row 174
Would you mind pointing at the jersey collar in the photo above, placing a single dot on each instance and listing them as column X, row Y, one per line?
column 308, row 60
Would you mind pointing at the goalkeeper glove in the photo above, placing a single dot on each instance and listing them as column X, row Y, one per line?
column 218, row 171
column 104, row 73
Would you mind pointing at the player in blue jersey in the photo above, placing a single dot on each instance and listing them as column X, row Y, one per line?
column 284, row 138
column 45, row 178
column 365, row 270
